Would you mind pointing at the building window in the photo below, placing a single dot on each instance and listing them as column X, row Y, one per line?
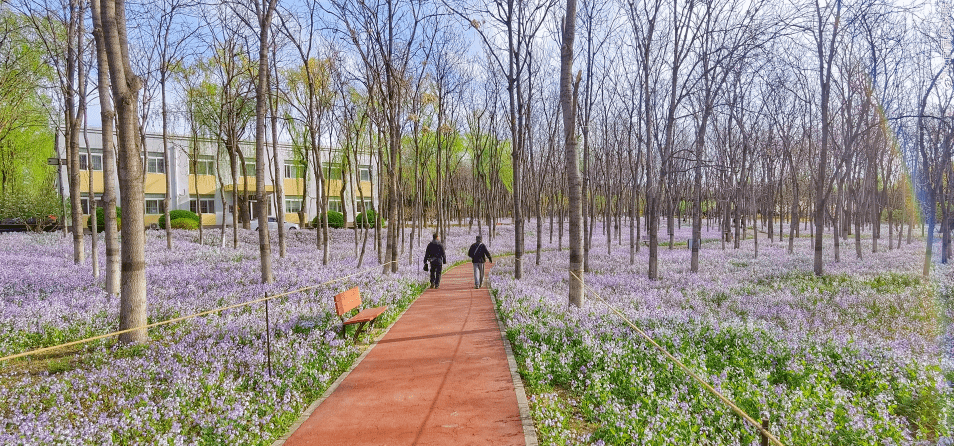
column 364, row 172
column 207, row 205
column 366, row 204
column 84, row 203
column 294, row 169
column 332, row 171
column 97, row 161
column 292, row 205
column 334, row 204
column 205, row 165
column 253, row 208
column 250, row 169
column 155, row 164
column 155, row 206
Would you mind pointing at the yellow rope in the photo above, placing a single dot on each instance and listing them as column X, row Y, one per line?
column 686, row 369
column 182, row 318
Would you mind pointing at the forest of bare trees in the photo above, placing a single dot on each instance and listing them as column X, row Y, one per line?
column 805, row 119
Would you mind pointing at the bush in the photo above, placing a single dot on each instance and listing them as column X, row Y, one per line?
column 185, row 223
column 335, row 220
column 370, row 220
column 179, row 214
column 101, row 218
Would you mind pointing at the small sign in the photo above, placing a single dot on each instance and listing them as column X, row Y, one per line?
column 56, row 161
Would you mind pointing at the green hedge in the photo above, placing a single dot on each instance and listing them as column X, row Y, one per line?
column 179, row 214
column 101, row 218
column 335, row 220
column 185, row 223
column 370, row 220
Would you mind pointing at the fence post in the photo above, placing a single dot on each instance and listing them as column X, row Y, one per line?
column 268, row 338
column 765, row 425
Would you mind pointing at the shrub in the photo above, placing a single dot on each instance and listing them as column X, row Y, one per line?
column 185, row 223
column 370, row 220
column 101, row 218
column 335, row 220
column 176, row 215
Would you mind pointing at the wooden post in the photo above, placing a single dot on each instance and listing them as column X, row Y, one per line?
column 268, row 339
column 765, row 426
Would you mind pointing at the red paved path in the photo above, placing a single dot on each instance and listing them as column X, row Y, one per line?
column 439, row 377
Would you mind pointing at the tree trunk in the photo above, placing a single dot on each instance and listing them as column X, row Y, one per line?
column 91, row 199
column 166, row 157
column 107, row 116
column 261, row 108
column 568, row 104
column 279, row 181
column 125, row 88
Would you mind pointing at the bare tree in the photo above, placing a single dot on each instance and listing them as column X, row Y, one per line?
column 60, row 29
column 107, row 116
column 568, row 104
column 263, row 11
column 508, row 28
column 125, row 86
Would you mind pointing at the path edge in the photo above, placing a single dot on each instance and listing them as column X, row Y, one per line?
column 331, row 389
column 529, row 431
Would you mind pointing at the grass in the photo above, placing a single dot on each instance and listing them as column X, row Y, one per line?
column 581, row 393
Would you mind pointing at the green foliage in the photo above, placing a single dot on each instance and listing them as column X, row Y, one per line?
column 101, row 217
column 370, row 220
column 176, row 215
column 40, row 203
column 335, row 220
column 185, row 223
column 58, row 366
column 26, row 140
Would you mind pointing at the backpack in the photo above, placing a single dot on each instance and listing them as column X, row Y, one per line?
column 474, row 249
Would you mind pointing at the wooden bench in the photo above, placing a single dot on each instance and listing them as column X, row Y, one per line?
column 350, row 300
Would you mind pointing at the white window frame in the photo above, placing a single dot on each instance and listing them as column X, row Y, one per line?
column 363, row 206
column 96, row 157
column 364, row 171
column 288, row 208
column 204, row 163
column 294, row 169
column 329, row 175
column 159, row 204
column 155, row 164
column 253, row 208
column 335, row 204
column 208, row 205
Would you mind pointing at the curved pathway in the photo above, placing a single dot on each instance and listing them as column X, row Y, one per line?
column 440, row 376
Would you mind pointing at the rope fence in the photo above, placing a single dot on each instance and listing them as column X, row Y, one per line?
column 761, row 428
column 190, row 316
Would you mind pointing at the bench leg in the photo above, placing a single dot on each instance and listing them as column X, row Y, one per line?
column 357, row 331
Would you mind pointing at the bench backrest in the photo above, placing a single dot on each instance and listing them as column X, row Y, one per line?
column 347, row 301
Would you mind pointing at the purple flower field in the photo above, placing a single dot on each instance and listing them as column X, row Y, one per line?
column 859, row 356
column 201, row 381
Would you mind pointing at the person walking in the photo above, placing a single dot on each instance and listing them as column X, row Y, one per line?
column 478, row 254
column 435, row 256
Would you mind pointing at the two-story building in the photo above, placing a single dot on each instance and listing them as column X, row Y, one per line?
column 201, row 179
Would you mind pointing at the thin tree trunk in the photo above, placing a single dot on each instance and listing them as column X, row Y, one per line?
column 91, row 199
column 568, row 104
column 167, row 200
column 107, row 116
column 279, row 181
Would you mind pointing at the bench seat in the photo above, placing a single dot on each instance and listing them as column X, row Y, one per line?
column 349, row 300
column 366, row 315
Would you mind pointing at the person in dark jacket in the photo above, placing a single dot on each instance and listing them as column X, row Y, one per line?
column 478, row 254
column 435, row 256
